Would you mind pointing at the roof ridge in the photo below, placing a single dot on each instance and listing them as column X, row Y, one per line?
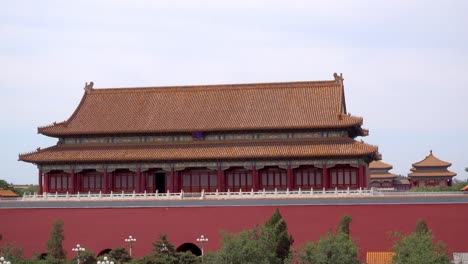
column 244, row 86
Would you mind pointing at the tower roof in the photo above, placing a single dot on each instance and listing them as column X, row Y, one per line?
column 431, row 161
column 231, row 107
column 378, row 164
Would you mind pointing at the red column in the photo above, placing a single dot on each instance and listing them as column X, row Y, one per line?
column 106, row 181
column 143, row 181
column 325, row 177
column 220, row 179
column 173, row 181
column 40, row 182
column 46, row 182
column 289, row 178
column 73, row 181
column 364, row 176
column 254, row 179
column 77, row 182
column 111, row 182
column 361, row 181
column 139, row 183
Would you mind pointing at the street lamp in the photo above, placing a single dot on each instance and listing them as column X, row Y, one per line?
column 164, row 248
column 202, row 239
column 130, row 240
column 105, row 261
column 3, row 261
column 78, row 249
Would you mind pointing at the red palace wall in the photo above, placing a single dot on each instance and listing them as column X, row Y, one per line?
column 99, row 229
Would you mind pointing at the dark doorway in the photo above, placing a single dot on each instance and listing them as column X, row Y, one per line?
column 104, row 252
column 189, row 247
column 160, row 182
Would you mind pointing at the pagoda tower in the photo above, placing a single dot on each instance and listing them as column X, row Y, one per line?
column 431, row 171
column 380, row 176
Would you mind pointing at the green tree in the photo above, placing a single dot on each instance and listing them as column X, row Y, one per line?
column 419, row 248
column 4, row 185
column 245, row 247
column 163, row 246
column 11, row 252
column 120, row 255
column 343, row 226
column 86, row 257
column 276, row 231
column 54, row 244
column 333, row 248
column 165, row 253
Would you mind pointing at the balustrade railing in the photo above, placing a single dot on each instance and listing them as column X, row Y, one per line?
column 240, row 194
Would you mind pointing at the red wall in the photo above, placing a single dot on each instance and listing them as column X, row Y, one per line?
column 99, row 229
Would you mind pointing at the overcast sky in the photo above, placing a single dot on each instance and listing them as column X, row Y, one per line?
column 404, row 63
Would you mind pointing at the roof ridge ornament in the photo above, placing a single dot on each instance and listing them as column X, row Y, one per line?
column 338, row 78
column 88, row 87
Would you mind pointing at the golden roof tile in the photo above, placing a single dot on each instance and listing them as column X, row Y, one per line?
column 203, row 150
column 382, row 175
column 8, row 193
column 378, row 164
column 432, row 174
column 233, row 107
column 431, row 161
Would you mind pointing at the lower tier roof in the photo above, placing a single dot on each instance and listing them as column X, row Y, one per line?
column 203, row 150
column 382, row 175
column 432, row 174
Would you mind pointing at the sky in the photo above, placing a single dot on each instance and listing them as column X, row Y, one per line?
column 403, row 63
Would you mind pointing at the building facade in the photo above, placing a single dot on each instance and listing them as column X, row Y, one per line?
column 214, row 137
column 431, row 171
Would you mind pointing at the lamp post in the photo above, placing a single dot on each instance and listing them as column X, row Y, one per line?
column 3, row 261
column 78, row 249
column 130, row 240
column 105, row 261
column 164, row 248
column 202, row 239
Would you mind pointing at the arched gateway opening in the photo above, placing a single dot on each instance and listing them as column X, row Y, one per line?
column 104, row 252
column 189, row 247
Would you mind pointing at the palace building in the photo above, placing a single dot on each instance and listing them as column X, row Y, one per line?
column 213, row 137
column 380, row 176
column 431, row 171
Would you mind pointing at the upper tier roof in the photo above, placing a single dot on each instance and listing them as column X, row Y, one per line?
column 378, row 164
column 431, row 161
column 234, row 107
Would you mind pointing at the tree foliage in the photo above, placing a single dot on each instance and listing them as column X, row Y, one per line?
column 86, row 257
column 343, row 226
column 163, row 246
column 54, row 244
column 165, row 253
column 333, row 248
column 246, row 247
column 419, row 248
column 276, row 230
column 120, row 255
